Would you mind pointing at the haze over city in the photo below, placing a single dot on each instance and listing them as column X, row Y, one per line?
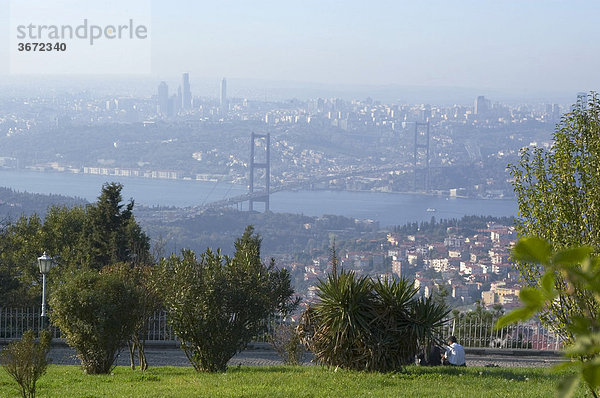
column 397, row 49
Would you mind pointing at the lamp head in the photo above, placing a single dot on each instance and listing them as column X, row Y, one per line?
column 45, row 262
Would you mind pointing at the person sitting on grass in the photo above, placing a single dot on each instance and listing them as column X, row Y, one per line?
column 455, row 353
column 433, row 359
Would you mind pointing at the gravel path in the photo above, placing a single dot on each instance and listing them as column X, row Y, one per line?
column 160, row 356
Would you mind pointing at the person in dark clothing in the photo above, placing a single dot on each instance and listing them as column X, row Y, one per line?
column 433, row 359
column 435, row 356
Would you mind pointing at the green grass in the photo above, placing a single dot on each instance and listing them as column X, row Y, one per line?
column 280, row 381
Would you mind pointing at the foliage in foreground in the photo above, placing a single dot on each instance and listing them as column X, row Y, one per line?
column 26, row 361
column 97, row 314
column 364, row 324
column 580, row 271
column 558, row 191
column 217, row 304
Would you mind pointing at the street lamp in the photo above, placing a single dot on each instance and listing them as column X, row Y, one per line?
column 45, row 262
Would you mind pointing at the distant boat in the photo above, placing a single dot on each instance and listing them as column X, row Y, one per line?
column 431, row 209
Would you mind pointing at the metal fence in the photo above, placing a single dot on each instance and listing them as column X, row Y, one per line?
column 478, row 333
column 475, row 333
column 16, row 321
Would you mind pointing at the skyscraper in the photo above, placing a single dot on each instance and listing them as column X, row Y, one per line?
column 186, row 97
column 163, row 99
column 481, row 105
column 223, row 101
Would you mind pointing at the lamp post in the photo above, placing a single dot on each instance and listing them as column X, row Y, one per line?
column 45, row 262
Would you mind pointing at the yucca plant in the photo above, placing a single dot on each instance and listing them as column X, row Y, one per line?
column 343, row 321
column 369, row 325
column 427, row 317
column 392, row 309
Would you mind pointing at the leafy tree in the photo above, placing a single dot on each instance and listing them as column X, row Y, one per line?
column 363, row 324
column 558, row 192
column 217, row 304
column 97, row 315
column 579, row 268
column 19, row 248
column 96, row 236
column 26, row 361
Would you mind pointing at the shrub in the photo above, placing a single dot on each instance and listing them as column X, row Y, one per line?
column 97, row 314
column 364, row 324
column 26, row 361
column 140, row 277
column 217, row 304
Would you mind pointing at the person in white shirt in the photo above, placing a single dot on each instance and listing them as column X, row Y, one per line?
column 455, row 353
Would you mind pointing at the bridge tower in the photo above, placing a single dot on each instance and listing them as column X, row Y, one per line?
column 421, row 156
column 262, row 196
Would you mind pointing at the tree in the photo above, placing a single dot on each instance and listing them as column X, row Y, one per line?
column 19, row 247
column 93, row 237
column 97, row 315
column 111, row 232
column 26, row 361
column 558, row 193
column 217, row 304
column 579, row 268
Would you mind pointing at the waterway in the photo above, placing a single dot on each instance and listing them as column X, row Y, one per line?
column 386, row 208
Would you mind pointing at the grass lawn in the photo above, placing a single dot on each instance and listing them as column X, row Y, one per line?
column 282, row 381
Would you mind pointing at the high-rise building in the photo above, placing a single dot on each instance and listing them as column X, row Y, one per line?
column 163, row 99
column 179, row 101
column 556, row 112
column 186, row 95
column 223, row 99
column 481, row 105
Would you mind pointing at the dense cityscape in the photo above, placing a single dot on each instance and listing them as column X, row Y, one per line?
column 314, row 145
column 314, row 142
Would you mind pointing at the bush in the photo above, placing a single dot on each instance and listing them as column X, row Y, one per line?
column 140, row 277
column 364, row 324
column 97, row 314
column 217, row 304
column 26, row 361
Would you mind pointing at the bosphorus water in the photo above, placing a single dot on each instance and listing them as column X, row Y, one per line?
column 386, row 208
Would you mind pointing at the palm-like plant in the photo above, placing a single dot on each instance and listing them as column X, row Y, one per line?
column 370, row 325
column 343, row 325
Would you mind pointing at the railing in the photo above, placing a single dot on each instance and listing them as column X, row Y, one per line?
column 16, row 321
column 475, row 333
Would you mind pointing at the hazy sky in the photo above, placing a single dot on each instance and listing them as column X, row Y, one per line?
column 515, row 45
column 482, row 44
